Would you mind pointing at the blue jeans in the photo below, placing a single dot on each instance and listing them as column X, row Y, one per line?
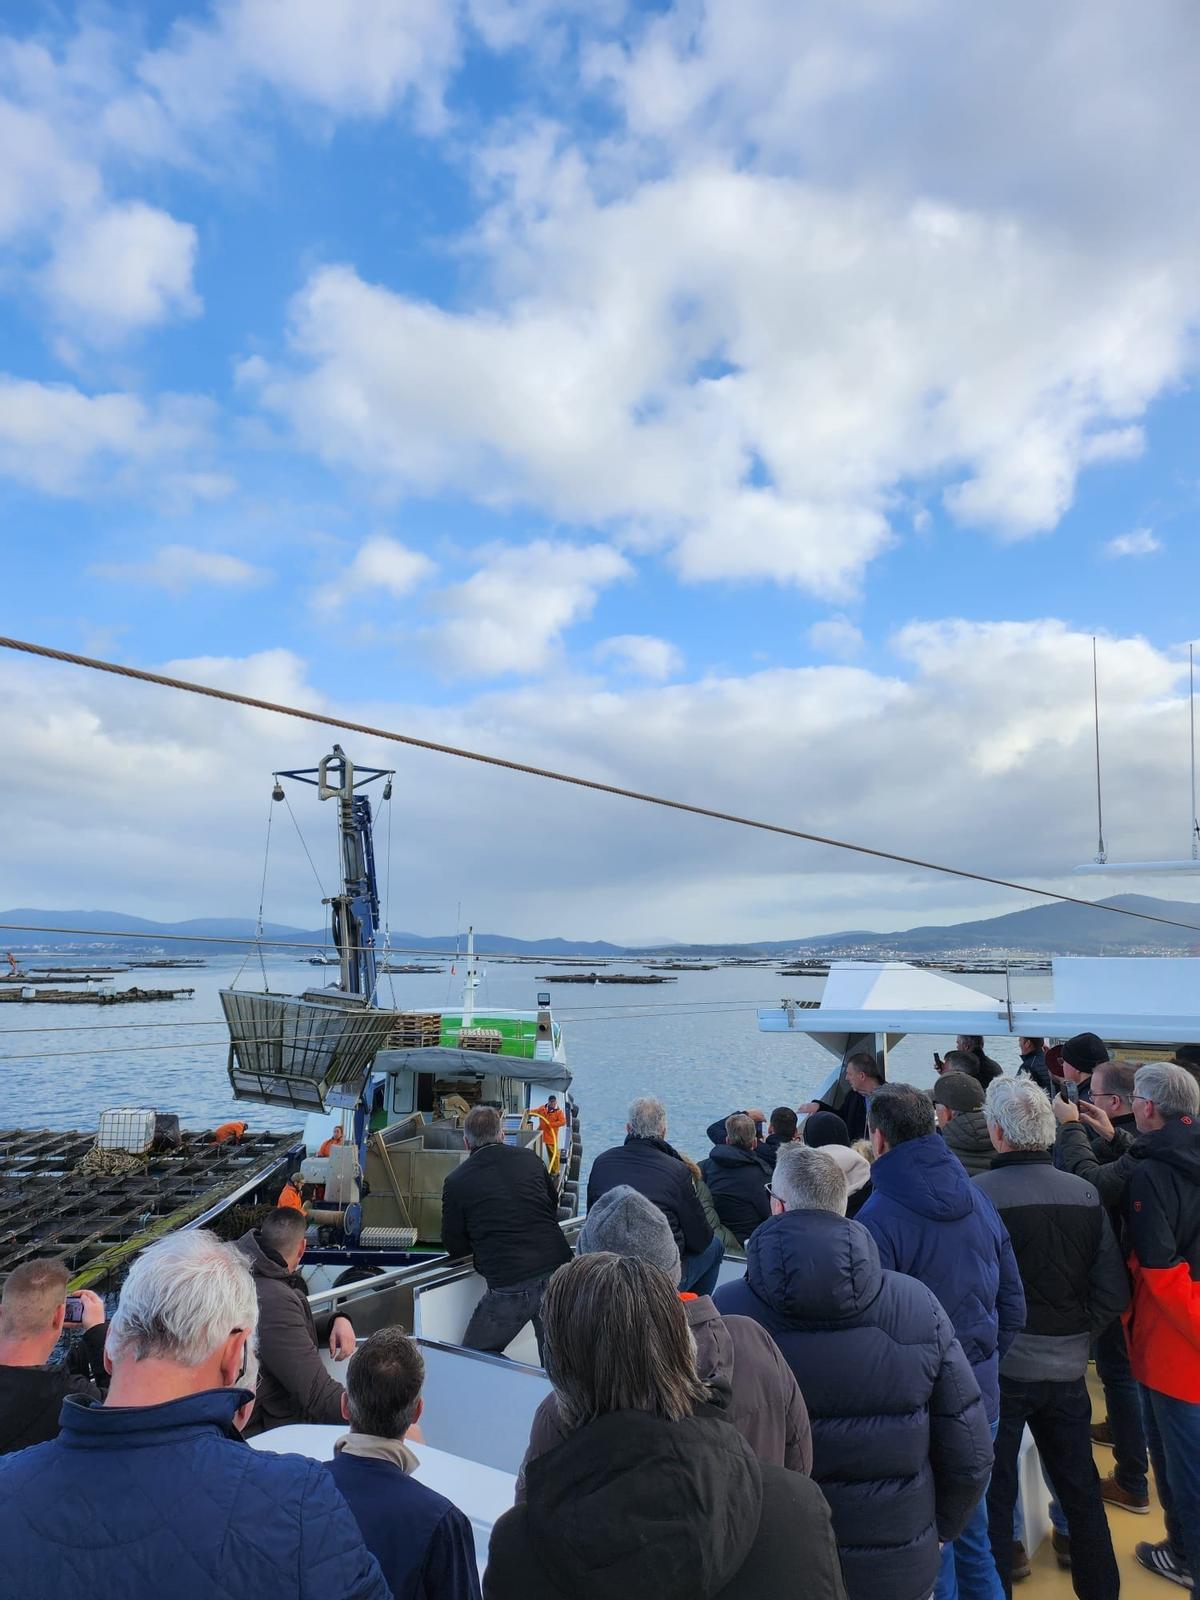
column 502, row 1313
column 1173, row 1434
column 698, row 1273
column 967, row 1567
column 1060, row 1419
column 1121, row 1391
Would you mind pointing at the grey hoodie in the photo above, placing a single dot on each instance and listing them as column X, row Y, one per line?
column 743, row 1364
column 967, row 1135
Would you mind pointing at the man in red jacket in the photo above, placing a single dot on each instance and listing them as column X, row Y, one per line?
column 1163, row 1320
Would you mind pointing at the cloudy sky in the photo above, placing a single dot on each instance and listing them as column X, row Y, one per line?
column 759, row 404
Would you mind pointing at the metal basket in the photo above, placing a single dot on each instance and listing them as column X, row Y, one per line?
column 304, row 1053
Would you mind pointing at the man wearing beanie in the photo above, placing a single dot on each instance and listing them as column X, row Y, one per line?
column 734, row 1355
column 1081, row 1056
column 958, row 1103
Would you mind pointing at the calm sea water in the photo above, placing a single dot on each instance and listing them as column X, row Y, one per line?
column 694, row 1043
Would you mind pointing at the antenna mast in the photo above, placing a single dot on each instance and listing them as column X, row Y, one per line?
column 1192, row 731
column 1101, row 852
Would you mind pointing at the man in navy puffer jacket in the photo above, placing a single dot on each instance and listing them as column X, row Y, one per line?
column 901, row 1445
column 930, row 1221
column 155, row 1493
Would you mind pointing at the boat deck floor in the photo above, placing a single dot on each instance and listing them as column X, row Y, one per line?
column 96, row 1221
column 1048, row 1581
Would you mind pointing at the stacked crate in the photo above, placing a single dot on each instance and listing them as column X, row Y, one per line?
column 420, row 1030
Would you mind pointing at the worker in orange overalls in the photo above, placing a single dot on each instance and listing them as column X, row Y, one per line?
column 553, row 1118
column 229, row 1132
column 336, row 1137
column 290, row 1196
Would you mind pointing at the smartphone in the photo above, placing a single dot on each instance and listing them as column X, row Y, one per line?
column 74, row 1312
column 938, row 1062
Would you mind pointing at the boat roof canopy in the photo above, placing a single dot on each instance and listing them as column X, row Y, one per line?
column 1150, row 999
column 445, row 1059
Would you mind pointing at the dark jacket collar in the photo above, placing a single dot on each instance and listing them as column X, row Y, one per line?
column 655, row 1144
column 88, row 1425
column 1018, row 1158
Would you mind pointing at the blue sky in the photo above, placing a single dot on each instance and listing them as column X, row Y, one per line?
column 761, row 404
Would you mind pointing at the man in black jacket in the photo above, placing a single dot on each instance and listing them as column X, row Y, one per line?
column 1092, row 1142
column 32, row 1312
column 1075, row 1284
column 501, row 1207
column 737, row 1179
column 1033, row 1063
column 647, row 1163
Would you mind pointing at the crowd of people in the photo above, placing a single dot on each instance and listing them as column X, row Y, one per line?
column 843, row 1419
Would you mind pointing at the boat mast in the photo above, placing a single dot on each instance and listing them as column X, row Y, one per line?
column 470, row 982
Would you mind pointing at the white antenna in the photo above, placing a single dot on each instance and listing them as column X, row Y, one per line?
column 1192, row 734
column 1101, row 852
column 1101, row 863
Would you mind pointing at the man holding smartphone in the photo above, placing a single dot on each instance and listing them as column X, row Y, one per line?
column 33, row 1310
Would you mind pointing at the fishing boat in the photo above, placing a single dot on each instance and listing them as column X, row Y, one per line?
column 385, row 1091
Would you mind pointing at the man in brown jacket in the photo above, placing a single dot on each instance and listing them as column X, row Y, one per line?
column 737, row 1358
column 293, row 1385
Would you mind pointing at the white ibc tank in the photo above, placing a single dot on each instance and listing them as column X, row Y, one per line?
column 131, row 1129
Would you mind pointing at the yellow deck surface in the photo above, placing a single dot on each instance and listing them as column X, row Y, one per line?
column 1047, row 1581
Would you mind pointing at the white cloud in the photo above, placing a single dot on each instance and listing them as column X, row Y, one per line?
column 179, row 567
column 357, row 58
column 121, row 270
column 1004, row 709
column 55, row 438
column 510, row 615
column 641, row 655
column 743, row 325
column 1141, row 542
column 836, row 636
column 380, row 566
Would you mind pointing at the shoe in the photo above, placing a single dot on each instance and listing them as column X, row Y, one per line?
column 1114, row 1494
column 1102, row 1433
column 1061, row 1545
column 1020, row 1562
column 1158, row 1558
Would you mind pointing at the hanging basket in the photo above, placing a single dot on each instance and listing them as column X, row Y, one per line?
column 302, row 1053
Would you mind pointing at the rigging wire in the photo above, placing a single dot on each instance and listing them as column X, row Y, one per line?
column 95, row 664
column 1101, row 852
column 304, row 845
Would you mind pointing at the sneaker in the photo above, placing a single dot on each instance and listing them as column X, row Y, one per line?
column 1115, row 1494
column 1102, row 1433
column 1020, row 1562
column 1159, row 1559
column 1061, row 1545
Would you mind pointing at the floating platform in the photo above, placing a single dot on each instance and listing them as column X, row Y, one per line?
column 54, row 977
column 87, row 997
column 682, row 966
column 97, row 1222
column 602, row 977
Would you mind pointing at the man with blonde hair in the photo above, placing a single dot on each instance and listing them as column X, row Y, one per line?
column 154, row 1492
column 33, row 1311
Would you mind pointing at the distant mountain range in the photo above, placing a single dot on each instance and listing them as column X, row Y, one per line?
column 1049, row 929
column 197, row 935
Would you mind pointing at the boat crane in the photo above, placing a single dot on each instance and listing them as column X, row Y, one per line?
column 396, row 1083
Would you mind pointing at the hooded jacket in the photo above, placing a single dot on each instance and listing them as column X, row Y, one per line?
column 654, row 1169
column 1163, row 1321
column 901, row 1444
column 31, row 1398
column 737, row 1180
column 634, row 1506
column 743, row 1363
column 967, row 1135
column 1034, row 1066
column 169, row 1500
column 929, row 1220
column 1075, row 1283
column 293, row 1385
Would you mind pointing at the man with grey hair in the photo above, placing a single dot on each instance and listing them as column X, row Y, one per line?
column 153, row 1492
column 901, row 1445
column 1163, row 1233
column 501, row 1206
column 647, row 1163
column 1075, row 1284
